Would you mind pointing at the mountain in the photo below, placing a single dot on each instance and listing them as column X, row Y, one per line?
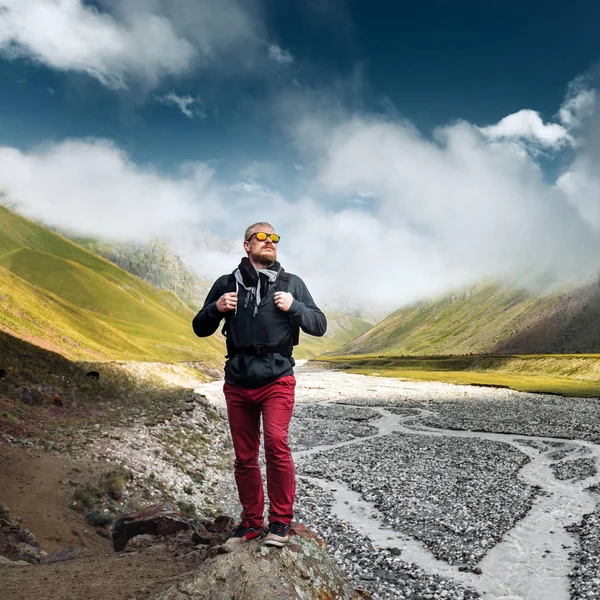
column 155, row 263
column 159, row 265
column 490, row 318
column 62, row 297
column 341, row 329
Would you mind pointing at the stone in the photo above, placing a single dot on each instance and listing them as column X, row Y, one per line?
column 158, row 519
column 298, row 571
column 63, row 555
column 6, row 562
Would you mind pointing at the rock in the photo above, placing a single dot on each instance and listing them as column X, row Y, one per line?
column 62, row 555
column 28, row 552
column 302, row 569
column 6, row 562
column 158, row 519
column 16, row 542
column 222, row 524
column 142, row 541
column 26, row 396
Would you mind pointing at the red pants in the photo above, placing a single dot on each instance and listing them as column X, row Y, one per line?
column 275, row 402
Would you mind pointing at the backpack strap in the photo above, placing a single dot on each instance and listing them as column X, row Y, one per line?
column 231, row 282
column 283, row 285
column 231, row 286
column 283, row 281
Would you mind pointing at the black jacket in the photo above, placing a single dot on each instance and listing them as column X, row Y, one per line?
column 270, row 327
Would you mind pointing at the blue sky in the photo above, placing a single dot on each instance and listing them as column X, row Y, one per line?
column 205, row 113
column 430, row 62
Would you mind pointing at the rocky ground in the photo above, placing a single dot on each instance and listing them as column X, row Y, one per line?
column 444, row 476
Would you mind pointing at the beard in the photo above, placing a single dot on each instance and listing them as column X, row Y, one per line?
column 265, row 256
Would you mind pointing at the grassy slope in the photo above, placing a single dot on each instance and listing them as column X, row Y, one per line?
column 62, row 297
column 429, row 341
column 471, row 321
column 490, row 319
column 341, row 329
column 154, row 262
column 157, row 264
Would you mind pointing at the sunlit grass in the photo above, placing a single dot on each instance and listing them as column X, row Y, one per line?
column 67, row 299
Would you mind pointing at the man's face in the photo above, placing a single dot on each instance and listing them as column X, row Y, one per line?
column 263, row 253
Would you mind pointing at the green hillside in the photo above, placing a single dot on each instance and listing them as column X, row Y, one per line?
column 154, row 262
column 473, row 320
column 489, row 318
column 157, row 264
column 65, row 298
column 341, row 330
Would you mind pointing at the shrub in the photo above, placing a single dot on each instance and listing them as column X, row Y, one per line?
column 112, row 483
column 88, row 495
column 10, row 417
column 98, row 518
column 188, row 510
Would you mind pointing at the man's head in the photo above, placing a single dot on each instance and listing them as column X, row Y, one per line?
column 261, row 252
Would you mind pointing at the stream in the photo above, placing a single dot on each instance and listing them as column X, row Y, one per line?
column 531, row 563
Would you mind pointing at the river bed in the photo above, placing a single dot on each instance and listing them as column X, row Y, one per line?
column 429, row 490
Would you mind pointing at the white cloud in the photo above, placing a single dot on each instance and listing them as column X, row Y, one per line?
column 527, row 125
column 581, row 181
column 137, row 40
column 190, row 107
column 445, row 212
column 578, row 105
column 282, row 57
column 391, row 216
column 70, row 36
column 92, row 187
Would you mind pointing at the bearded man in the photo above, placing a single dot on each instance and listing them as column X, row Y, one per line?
column 264, row 309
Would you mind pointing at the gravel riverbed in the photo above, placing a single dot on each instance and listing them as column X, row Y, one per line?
column 483, row 491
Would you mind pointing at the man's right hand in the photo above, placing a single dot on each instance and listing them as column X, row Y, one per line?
column 227, row 302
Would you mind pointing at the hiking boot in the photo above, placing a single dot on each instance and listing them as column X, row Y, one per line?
column 243, row 534
column 279, row 534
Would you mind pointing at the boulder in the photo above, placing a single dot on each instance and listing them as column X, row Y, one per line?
column 298, row 571
column 16, row 542
column 158, row 519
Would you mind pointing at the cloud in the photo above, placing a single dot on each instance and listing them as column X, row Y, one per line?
column 387, row 216
column 125, row 41
column 190, row 107
column 527, row 125
column 91, row 186
column 578, row 105
column 70, row 36
column 444, row 212
column 282, row 57
column 581, row 181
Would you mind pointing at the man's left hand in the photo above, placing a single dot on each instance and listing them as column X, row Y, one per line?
column 283, row 300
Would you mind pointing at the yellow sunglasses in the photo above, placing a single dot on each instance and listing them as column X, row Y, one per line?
column 261, row 236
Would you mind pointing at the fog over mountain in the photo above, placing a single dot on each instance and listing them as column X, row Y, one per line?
column 387, row 216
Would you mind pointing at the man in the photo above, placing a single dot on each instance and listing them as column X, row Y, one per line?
column 264, row 308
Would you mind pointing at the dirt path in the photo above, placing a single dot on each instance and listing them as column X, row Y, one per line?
column 97, row 577
column 35, row 486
